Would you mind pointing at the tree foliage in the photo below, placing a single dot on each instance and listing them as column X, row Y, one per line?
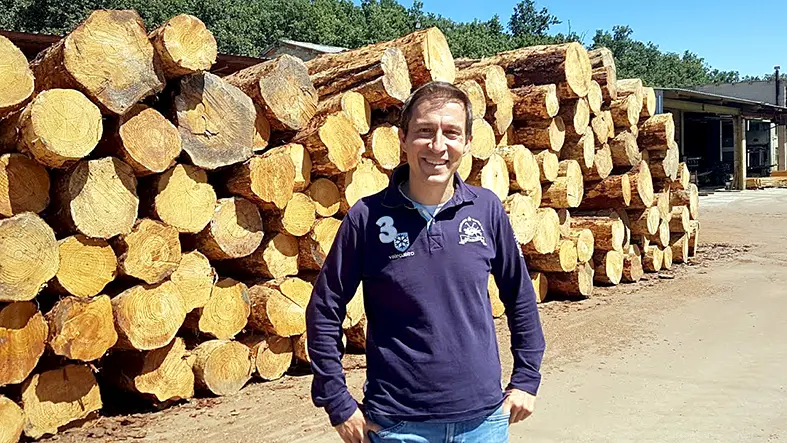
column 248, row 27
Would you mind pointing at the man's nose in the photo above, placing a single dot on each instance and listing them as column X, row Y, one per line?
column 438, row 142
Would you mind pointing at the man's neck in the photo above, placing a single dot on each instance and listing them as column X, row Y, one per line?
column 429, row 194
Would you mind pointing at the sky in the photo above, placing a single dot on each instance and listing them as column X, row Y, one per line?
column 730, row 35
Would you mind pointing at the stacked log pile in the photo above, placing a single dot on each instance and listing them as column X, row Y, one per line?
column 161, row 226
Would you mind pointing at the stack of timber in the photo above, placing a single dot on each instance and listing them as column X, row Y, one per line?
column 165, row 241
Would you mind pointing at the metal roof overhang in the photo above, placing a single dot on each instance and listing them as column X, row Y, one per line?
column 704, row 102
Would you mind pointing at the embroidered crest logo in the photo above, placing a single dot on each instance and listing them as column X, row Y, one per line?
column 402, row 242
column 471, row 231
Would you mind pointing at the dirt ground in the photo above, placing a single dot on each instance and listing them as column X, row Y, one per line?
column 697, row 354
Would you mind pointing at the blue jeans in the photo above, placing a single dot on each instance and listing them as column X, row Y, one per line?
column 489, row 429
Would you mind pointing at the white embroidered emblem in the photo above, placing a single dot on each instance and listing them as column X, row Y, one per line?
column 402, row 242
column 470, row 231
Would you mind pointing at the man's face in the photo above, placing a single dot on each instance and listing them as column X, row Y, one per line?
column 435, row 141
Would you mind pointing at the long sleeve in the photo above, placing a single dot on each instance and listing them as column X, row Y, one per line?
column 335, row 287
column 519, row 298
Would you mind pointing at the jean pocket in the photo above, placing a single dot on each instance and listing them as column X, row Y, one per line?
column 387, row 426
column 499, row 415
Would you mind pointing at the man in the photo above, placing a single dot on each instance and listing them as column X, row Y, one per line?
column 423, row 249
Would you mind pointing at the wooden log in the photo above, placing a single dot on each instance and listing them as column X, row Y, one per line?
column 581, row 149
column 499, row 101
column 81, row 329
column 475, row 94
column 20, row 82
column 183, row 46
column 652, row 259
column 498, row 308
column 216, row 121
column 222, row 367
column 600, row 127
column 262, row 130
column 226, row 312
column 491, row 174
column 567, row 189
column 575, row 284
column 161, row 376
column 648, row 103
column 679, row 222
column 662, row 202
column 664, row 164
column 353, row 104
column 314, row 247
column 602, row 165
column 363, row 181
column 608, row 230
column 355, row 309
column 563, row 259
column 108, row 57
column 24, row 185
column 271, row 355
column 632, row 265
column 382, row 145
column 184, row 199
column 23, row 336
column 28, row 256
column 540, row 285
column 106, row 186
column 627, row 231
column 267, row 179
column 535, row 102
column 234, row 231
column 150, row 252
column 279, row 306
column 55, row 398
column 482, row 146
column 333, row 142
column 625, row 112
column 657, row 133
column 585, row 243
column 194, row 278
column 576, row 117
column 548, row 164
column 523, row 168
column 296, row 219
column 303, row 165
column 611, row 192
column 145, row 140
column 12, row 419
column 609, row 267
column 148, row 316
column 326, row 197
column 632, row 87
column 541, row 134
column 595, row 97
column 645, row 221
column 679, row 243
column 687, row 197
column 282, row 89
column 641, row 186
column 604, row 72
column 667, row 260
column 694, row 238
column 465, row 166
column 661, row 238
column 547, row 235
column 683, row 177
column 277, row 257
column 625, row 152
column 521, row 210
column 564, row 220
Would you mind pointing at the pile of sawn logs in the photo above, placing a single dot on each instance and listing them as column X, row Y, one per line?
column 162, row 226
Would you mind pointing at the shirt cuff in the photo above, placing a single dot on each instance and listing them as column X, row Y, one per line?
column 339, row 412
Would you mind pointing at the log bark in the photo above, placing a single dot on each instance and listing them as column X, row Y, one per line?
column 106, row 186
column 687, row 197
column 277, row 257
column 148, row 316
column 608, row 230
column 383, row 146
column 279, row 306
column 24, row 185
column 333, row 143
column 222, row 367
column 151, row 252
column 194, row 279
column 12, row 419
column 282, row 89
column 87, row 265
column 576, row 117
column 645, row 221
column 680, row 247
column 540, row 285
column 641, row 186
column 55, row 398
column 363, row 181
column 602, row 165
column 657, row 133
column 23, row 337
column 548, row 164
column 575, row 284
column 183, row 45
column 226, row 312
column 679, row 222
column 547, row 235
column 81, row 329
column 625, row 152
column 652, row 259
column 611, row 192
column 20, row 82
column 29, row 256
column 314, row 247
column 108, row 57
column 499, row 101
column 581, row 149
column 523, row 168
column 184, row 199
column 521, row 210
column 271, row 355
column 326, row 197
column 632, row 266
column 262, row 130
column 595, row 98
column 491, row 174
column 535, row 102
column 235, row 230
column 541, row 134
column 567, row 189
column 563, row 259
column 609, row 267
column 145, row 140
column 267, row 179
column 216, row 121
column 585, row 243
column 625, row 112
column 604, row 72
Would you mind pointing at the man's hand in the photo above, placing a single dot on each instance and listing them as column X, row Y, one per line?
column 520, row 404
column 356, row 428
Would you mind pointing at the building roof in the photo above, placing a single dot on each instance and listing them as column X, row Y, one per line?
column 716, row 103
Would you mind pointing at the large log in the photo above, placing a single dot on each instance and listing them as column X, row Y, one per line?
column 363, row 181
column 108, row 57
column 267, row 179
column 55, row 398
column 282, row 89
column 523, row 169
column 661, row 237
column 667, row 261
column 683, row 178
column 567, row 189
column 183, row 45
column 499, row 101
column 475, row 94
column 664, row 164
column 12, row 419
column 641, row 186
column 608, row 230
column 585, row 243
column 151, row 252
column 271, row 355
column 644, row 221
column 87, row 265
column 657, row 133
column 548, row 164
column 314, row 246
column 465, row 166
column 18, row 83
column 23, row 336
column 600, row 127
column 29, row 256
column 652, row 259
column 602, row 165
column 277, row 257
column 221, row 367
column 581, row 149
column 564, row 218
column 604, row 72
column 521, row 210
column 226, row 312
column 625, row 152
column 216, row 121
column 679, row 243
column 547, row 235
column 541, row 134
column 296, row 219
column 104, row 186
column 482, row 146
column 81, row 329
column 540, row 285
column 664, row 205
column 632, row 265
column 24, row 185
column 234, row 231
column 148, row 316
column 632, row 87
column 194, row 279
column 611, row 192
column 491, row 174
column 648, row 103
column 184, row 199
column 679, row 220
column 576, row 117
column 609, row 267
column 595, row 98
column 575, row 284
column 625, row 112
column 145, row 140
column 326, row 197
column 687, row 197
column 535, row 102
column 353, row 104
column 383, row 146
column 300, row 349
column 563, row 259
column 333, row 142
column 279, row 306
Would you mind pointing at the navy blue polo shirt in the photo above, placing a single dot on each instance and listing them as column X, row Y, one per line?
column 431, row 349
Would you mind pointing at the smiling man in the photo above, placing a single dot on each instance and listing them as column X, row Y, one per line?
column 423, row 250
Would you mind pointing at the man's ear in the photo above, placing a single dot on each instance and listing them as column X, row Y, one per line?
column 402, row 137
column 467, row 145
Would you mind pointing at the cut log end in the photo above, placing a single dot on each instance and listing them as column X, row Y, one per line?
column 235, row 230
column 151, row 252
column 222, row 367
column 483, row 144
column 184, row 45
column 23, row 336
column 184, row 199
column 279, row 306
column 147, row 141
column 19, row 83
column 194, row 278
column 29, row 256
column 363, row 181
column 326, row 197
column 24, row 185
column 12, row 421
column 271, row 355
column 491, row 174
column 226, row 312
column 575, row 284
column 82, row 329
column 384, row 147
column 315, row 245
column 147, row 317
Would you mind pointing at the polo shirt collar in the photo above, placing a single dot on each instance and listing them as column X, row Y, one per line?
column 394, row 198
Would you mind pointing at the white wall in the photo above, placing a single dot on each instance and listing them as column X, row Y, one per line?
column 757, row 91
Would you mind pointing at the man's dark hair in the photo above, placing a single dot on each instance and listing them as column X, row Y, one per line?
column 442, row 92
